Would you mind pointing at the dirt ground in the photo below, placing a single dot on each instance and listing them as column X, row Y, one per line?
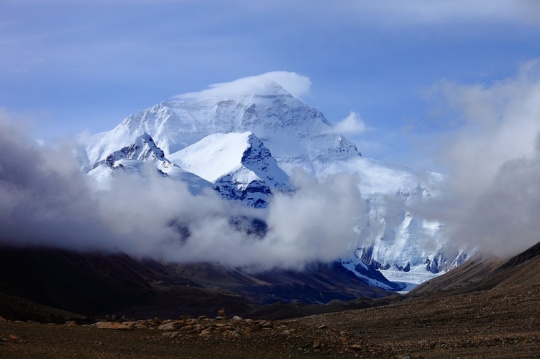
column 489, row 324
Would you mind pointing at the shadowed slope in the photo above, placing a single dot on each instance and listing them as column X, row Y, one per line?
column 99, row 284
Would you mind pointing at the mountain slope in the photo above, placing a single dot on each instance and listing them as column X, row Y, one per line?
column 484, row 273
column 100, row 284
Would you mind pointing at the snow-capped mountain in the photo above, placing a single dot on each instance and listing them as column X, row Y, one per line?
column 296, row 134
column 135, row 156
column 247, row 144
column 238, row 164
column 142, row 149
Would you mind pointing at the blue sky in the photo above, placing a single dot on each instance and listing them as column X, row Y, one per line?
column 71, row 66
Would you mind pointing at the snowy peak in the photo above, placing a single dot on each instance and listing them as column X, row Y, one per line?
column 143, row 149
column 258, row 159
column 140, row 153
column 220, row 154
column 238, row 164
column 296, row 134
column 215, row 155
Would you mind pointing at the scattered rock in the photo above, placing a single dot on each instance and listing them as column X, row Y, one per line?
column 170, row 334
column 114, row 326
column 246, row 331
column 198, row 328
column 169, row 326
column 268, row 324
column 205, row 333
column 187, row 328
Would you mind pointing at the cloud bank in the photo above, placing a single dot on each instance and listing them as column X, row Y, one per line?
column 47, row 201
column 493, row 154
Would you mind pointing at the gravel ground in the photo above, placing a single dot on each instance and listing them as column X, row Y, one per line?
column 490, row 324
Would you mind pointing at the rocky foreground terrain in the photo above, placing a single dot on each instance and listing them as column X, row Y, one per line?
column 486, row 324
column 486, row 308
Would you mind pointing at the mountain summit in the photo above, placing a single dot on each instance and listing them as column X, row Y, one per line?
column 296, row 134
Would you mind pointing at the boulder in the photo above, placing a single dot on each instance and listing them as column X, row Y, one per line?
column 170, row 326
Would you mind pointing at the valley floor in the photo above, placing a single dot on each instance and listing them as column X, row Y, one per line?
column 486, row 324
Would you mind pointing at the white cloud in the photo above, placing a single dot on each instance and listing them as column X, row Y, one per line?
column 316, row 223
column 297, row 85
column 350, row 125
column 46, row 200
column 499, row 122
column 493, row 153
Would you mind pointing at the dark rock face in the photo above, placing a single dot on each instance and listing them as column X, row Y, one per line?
column 255, row 194
column 258, row 159
column 251, row 226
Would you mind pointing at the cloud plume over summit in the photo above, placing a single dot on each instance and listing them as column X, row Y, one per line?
column 295, row 84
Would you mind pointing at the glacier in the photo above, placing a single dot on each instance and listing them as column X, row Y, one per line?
column 247, row 145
